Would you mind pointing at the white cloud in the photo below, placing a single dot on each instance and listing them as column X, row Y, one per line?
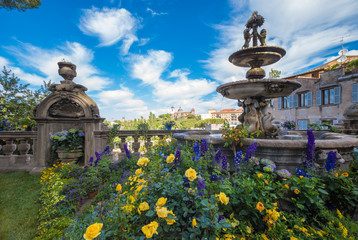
column 176, row 89
column 155, row 13
column 306, row 29
column 45, row 62
column 110, row 26
column 3, row 62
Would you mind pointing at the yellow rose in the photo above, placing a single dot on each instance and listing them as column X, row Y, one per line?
column 162, row 212
column 287, row 187
column 119, row 188
column 161, row 202
column 142, row 162
column 259, row 175
column 138, row 171
column 345, row 174
column 24, row 126
column 190, row 174
column 150, row 229
column 296, row 191
column 194, row 223
column 170, row 158
column 170, row 221
column 260, row 206
column 93, row 231
column 222, row 198
column 144, row 206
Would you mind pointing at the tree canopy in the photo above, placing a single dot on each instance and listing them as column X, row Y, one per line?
column 20, row 5
column 17, row 101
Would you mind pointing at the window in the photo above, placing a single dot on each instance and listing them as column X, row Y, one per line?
column 305, row 99
column 329, row 96
column 355, row 92
column 302, row 124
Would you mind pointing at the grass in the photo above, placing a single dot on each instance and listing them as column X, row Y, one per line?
column 19, row 205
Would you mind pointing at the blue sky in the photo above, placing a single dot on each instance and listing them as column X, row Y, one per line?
column 141, row 56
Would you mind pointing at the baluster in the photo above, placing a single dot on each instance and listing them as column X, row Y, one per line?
column 9, row 148
column 122, row 155
column 136, row 146
column 23, row 146
column 148, row 144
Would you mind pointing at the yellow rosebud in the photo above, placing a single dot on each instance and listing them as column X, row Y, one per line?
column 296, row 191
column 24, row 126
column 170, row 158
column 161, row 202
column 138, row 171
column 194, row 223
column 190, row 174
column 287, row 187
column 222, row 198
column 260, row 206
column 259, row 175
column 266, row 182
column 93, row 231
column 336, row 174
column 170, row 221
column 119, row 188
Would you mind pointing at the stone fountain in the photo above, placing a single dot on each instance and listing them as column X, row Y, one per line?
column 286, row 148
column 254, row 94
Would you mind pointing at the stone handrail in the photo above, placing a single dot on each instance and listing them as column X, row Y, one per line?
column 14, row 150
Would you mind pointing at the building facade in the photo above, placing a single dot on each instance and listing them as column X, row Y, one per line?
column 325, row 96
column 231, row 115
column 181, row 114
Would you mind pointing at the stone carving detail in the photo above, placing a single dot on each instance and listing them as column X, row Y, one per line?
column 255, row 115
column 274, row 87
column 253, row 23
column 23, row 147
column 9, row 147
column 66, row 108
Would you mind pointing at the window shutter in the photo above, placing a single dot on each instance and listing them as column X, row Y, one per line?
column 288, row 102
column 337, row 95
column 355, row 92
column 295, row 101
column 309, row 99
column 318, row 98
column 279, row 103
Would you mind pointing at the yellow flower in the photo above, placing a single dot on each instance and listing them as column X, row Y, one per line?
column 144, row 206
column 293, row 238
column 170, row 158
column 150, row 229
column 345, row 174
column 24, row 126
column 162, row 212
column 264, row 236
column 161, row 202
column 336, row 174
column 138, row 171
column 287, row 187
column 93, row 231
column 259, row 175
column 301, row 176
column 170, row 221
column 339, row 214
column 119, row 188
column 297, row 191
column 142, row 162
column 128, row 208
column 260, row 206
column 266, row 182
column 222, row 198
column 194, row 223
column 190, row 174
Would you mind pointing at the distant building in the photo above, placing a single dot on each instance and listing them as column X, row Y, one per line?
column 325, row 96
column 207, row 115
column 181, row 114
column 231, row 115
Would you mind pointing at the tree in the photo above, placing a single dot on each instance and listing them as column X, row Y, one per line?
column 274, row 74
column 20, row 5
column 17, row 101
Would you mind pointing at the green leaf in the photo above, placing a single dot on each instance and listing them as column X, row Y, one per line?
column 322, row 191
column 150, row 213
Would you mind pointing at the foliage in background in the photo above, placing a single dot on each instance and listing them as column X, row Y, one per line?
column 67, row 139
column 274, row 74
column 352, row 65
column 17, row 100
column 20, row 5
column 233, row 137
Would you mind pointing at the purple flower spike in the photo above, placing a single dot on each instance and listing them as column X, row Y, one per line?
column 250, row 151
column 127, row 151
column 310, row 150
column 204, row 146
column 177, row 156
column 224, row 162
column 218, row 156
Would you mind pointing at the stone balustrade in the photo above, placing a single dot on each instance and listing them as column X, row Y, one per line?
column 16, row 150
column 137, row 141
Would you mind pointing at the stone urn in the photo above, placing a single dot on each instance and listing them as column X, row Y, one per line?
column 67, row 70
column 69, row 156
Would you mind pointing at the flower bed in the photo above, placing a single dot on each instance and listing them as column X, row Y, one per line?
column 184, row 192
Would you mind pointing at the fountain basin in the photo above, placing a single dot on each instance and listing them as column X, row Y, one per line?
column 265, row 88
column 286, row 152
